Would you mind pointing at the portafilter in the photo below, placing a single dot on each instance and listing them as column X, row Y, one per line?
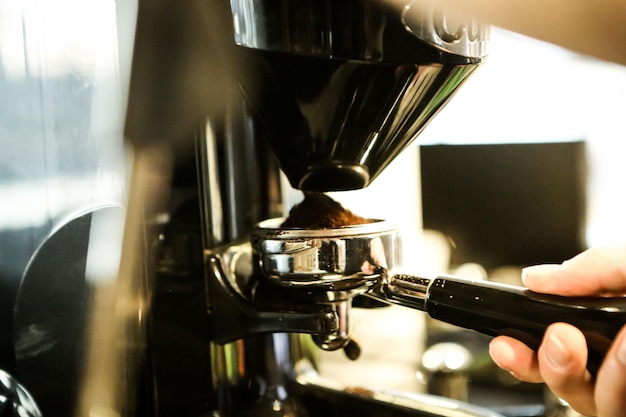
column 335, row 264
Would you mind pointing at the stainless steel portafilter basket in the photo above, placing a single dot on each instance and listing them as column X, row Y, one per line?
column 333, row 265
column 325, row 259
column 329, row 266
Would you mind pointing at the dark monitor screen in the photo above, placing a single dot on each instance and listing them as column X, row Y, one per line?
column 507, row 204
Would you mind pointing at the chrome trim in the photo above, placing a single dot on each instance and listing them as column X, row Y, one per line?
column 353, row 29
column 421, row 404
column 465, row 37
column 338, row 258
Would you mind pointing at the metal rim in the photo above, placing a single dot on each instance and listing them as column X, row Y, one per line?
column 271, row 229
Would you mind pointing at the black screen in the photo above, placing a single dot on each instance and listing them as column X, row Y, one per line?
column 507, row 204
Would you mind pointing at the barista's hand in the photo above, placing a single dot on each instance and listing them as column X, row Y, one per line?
column 561, row 359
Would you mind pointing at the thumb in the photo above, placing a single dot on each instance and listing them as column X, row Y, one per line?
column 599, row 271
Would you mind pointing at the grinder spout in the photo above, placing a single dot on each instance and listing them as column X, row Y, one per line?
column 340, row 97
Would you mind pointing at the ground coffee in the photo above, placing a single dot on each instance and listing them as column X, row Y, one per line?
column 319, row 211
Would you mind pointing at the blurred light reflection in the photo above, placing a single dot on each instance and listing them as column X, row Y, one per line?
column 41, row 36
column 35, row 203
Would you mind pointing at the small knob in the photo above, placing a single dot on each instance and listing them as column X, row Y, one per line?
column 340, row 337
column 352, row 350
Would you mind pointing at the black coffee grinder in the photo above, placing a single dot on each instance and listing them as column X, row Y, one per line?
column 328, row 93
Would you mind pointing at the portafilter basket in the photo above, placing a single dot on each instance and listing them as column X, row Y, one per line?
column 330, row 259
column 327, row 266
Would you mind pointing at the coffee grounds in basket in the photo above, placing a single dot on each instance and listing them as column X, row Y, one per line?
column 318, row 211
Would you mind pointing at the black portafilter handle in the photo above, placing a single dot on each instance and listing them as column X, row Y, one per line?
column 499, row 309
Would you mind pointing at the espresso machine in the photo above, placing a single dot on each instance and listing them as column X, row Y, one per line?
column 313, row 97
column 206, row 305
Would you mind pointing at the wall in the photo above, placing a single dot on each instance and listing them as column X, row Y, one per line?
column 531, row 91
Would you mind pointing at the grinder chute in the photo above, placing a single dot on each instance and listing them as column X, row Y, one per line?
column 342, row 87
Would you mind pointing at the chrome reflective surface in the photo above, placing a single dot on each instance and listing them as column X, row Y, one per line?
column 325, row 257
column 283, row 364
column 342, row 87
column 328, row 267
column 15, row 400
column 461, row 36
column 368, row 401
column 356, row 30
column 405, row 290
column 335, row 124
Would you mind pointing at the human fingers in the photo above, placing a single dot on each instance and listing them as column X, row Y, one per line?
column 610, row 390
column 596, row 271
column 515, row 357
column 562, row 360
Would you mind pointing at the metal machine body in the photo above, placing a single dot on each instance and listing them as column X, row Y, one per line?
column 327, row 93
